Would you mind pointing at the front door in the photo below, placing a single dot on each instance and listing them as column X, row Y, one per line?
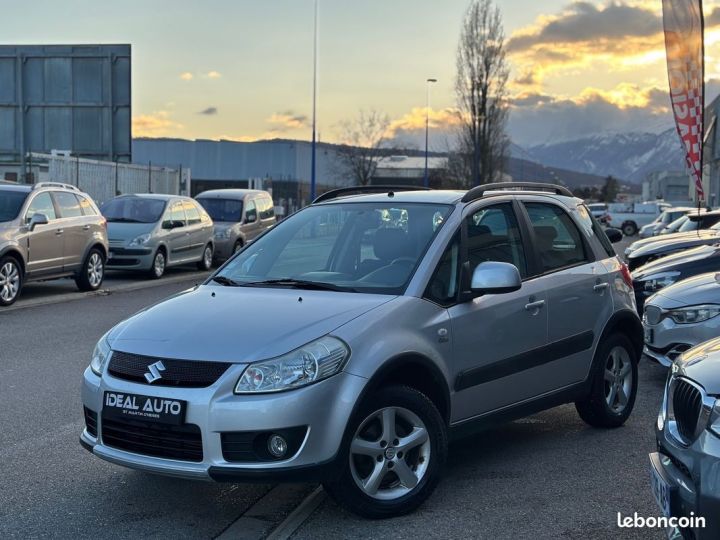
column 177, row 238
column 45, row 242
column 497, row 338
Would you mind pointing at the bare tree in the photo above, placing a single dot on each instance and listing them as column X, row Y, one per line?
column 480, row 87
column 363, row 145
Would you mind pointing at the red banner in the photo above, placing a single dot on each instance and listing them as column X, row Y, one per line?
column 684, row 29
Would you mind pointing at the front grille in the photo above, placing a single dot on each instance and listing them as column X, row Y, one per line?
column 90, row 421
column 165, row 441
column 184, row 373
column 687, row 406
column 653, row 315
column 123, row 262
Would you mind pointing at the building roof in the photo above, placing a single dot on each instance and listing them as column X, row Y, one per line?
column 410, row 162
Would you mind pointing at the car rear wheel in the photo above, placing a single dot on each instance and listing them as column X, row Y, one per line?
column 614, row 385
column 157, row 270
column 629, row 229
column 392, row 455
column 10, row 281
column 206, row 262
column 92, row 273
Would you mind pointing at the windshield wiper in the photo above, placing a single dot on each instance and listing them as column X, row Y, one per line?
column 299, row 284
column 226, row 281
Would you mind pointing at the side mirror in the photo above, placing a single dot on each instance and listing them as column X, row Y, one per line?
column 250, row 218
column 495, row 278
column 614, row 235
column 37, row 219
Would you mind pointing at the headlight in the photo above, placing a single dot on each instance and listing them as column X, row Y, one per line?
column 659, row 281
column 308, row 364
column 223, row 234
column 100, row 356
column 140, row 240
column 694, row 314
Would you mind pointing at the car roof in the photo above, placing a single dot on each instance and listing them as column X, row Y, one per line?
column 233, row 193
column 684, row 209
column 703, row 214
column 157, row 196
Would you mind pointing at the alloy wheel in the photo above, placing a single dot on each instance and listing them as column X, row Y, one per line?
column 207, row 257
column 618, row 379
column 159, row 264
column 95, row 270
column 390, row 453
column 9, row 281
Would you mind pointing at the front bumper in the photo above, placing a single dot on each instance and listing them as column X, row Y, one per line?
column 324, row 407
column 693, row 473
column 130, row 259
column 223, row 248
column 671, row 339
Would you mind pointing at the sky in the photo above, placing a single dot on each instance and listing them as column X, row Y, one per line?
column 242, row 69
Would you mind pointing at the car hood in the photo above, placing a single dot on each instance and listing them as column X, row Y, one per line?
column 702, row 365
column 128, row 231
column 671, row 262
column 637, row 244
column 672, row 242
column 700, row 289
column 238, row 324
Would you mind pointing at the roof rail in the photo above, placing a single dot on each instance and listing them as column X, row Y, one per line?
column 335, row 193
column 479, row 191
column 55, row 184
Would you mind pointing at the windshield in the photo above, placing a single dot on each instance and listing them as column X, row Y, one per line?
column 675, row 225
column 223, row 209
column 359, row 247
column 133, row 210
column 10, row 204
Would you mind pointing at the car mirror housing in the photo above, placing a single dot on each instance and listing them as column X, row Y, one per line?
column 495, row 278
column 614, row 235
column 37, row 219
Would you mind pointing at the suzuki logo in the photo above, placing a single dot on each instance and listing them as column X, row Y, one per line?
column 154, row 372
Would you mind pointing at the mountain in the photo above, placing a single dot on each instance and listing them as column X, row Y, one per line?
column 523, row 170
column 628, row 156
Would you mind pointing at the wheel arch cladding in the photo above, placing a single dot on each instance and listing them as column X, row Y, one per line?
column 15, row 254
column 627, row 323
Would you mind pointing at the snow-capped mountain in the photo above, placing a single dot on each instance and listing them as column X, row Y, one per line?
column 628, row 156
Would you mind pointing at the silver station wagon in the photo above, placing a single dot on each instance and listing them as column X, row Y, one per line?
column 347, row 343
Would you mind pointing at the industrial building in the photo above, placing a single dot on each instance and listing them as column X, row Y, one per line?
column 671, row 186
column 74, row 99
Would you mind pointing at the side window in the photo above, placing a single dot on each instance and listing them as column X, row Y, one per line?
column 266, row 208
column 443, row 286
column 493, row 235
column 557, row 238
column 270, row 208
column 593, row 228
column 42, row 204
column 86, row 207
column 68, row 203
column 193, row 216
column 176, row 213
column 251, row 211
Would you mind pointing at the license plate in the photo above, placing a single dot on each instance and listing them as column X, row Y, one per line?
column 661, row 490
column 117, row 405
column 649, row 335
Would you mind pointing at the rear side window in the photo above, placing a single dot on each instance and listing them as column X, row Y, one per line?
column 267, row 210
column 86, row 206
column 42, row 204
column 251, row 211
column 193, row 216
column 557, row 239
column 594, row 228
column 68, row 203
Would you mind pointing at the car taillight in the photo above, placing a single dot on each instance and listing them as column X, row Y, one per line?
column 627, row 277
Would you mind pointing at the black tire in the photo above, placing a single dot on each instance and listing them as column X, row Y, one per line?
column 159, row 264
column 11, row 280
column 237, row 247
column 92, row 272
column 629, row 229
column 595, row 409
column 345, row 489
column 206, row 262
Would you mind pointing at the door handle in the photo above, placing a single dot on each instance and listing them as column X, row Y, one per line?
column 532, row 306
column 59, row 232
column 600, row 287
column 86, row 228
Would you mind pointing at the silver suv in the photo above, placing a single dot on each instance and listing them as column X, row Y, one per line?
column 48, row 231
column 351, row 340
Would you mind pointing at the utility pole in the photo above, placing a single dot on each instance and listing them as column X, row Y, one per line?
column 313, row 178
column 427, row 127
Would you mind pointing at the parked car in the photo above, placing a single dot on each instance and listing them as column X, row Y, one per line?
column 344, row 348
column 151, row 232
column 598, row 210
column 684, row 475
column 675, row 226
column 47, row 231
column 682, row 315
column 629, row 217
column 650, row 249
column 661, row 273
column 663, row 220
column 240, row 216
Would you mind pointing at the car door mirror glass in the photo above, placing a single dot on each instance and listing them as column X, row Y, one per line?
column 250, row 218
column 495, row 278
column 37, row 219
column 614, row 235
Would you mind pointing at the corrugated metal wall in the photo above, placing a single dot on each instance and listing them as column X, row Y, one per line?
column 65, row 97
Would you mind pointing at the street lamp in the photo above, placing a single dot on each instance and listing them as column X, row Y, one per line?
column 427, row 126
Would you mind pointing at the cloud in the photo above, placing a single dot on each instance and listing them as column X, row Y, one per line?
column 415, row 120
column 186, row 76
column 210, row 111
column 157, row 124
column 287, row 121
column 213, row 75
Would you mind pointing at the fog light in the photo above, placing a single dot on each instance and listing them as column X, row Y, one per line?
column 277, row 446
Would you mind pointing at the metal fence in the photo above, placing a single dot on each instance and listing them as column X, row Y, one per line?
column 103, row 180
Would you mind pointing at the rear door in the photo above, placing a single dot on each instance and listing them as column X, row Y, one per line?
column 197, row 231
column 44, row 243
column 72, row 223
column 579, row 302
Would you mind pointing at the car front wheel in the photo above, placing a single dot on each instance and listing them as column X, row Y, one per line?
column 158, row 265
column 206, row 262
column 10, row 281
column 393, row 454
